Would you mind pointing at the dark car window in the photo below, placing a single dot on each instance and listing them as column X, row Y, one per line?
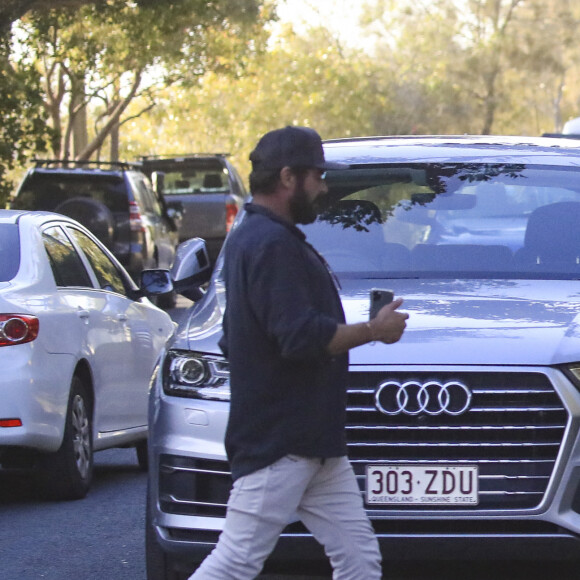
column 67, row 266
column 147, row 198
column 46, row 191
column 107, row 273
column 9, row 251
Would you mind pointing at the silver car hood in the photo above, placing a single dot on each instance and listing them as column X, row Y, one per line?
column 451, row 322
column 475, row 322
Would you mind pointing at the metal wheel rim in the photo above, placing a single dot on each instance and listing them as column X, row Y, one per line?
column 81, row 436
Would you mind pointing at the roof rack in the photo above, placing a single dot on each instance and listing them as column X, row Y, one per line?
column 74, row 164
column 183, row 156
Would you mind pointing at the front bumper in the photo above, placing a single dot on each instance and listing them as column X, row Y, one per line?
column 529, row 461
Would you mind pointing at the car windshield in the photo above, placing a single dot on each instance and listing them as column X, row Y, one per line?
column 451, row 220
column 9, row 251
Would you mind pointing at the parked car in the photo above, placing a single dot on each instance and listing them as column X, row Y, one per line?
column 207, row 188
column 116, row 201
column 465, row 435
column 78, row 343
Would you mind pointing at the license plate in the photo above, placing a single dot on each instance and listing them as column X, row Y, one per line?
column 422, row 485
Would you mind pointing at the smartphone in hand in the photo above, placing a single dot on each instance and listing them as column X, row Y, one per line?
column 379, row 298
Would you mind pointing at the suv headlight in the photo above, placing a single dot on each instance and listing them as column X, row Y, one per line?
column 196, row 375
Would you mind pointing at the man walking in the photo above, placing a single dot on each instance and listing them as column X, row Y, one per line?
column 287, row 344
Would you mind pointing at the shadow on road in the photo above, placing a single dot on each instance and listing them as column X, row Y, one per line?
column 17, row 486
column 111, row 467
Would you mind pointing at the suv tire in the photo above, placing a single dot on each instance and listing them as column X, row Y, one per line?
column 94, row 215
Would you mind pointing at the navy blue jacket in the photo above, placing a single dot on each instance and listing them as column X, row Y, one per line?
column 288, row 395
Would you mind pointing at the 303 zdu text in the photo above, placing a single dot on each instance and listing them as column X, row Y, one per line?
column 422, row 484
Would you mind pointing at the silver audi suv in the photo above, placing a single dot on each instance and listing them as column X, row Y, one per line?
column 464, row 435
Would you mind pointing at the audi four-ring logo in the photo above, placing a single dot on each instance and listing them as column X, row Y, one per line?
column 413, row 398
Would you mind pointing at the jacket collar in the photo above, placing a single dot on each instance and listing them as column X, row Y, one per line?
column 260, row 209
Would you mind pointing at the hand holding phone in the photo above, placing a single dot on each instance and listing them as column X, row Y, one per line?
column 388, row 326
column 378, row 299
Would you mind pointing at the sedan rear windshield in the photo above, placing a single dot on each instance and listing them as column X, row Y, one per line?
column 9, row 251
column 451, row 220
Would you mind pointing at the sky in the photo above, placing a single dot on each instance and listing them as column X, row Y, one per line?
column 340, row 16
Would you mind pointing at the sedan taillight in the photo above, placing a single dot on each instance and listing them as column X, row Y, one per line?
column 135, row 219
column 231, row 213
column 17, row 329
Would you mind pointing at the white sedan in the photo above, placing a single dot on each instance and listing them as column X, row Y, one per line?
column 78, row 344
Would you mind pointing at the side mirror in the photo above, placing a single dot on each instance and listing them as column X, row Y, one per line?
column 191, row 268
column 155, row 282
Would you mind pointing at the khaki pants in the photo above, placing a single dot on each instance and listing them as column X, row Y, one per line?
column 324, row 495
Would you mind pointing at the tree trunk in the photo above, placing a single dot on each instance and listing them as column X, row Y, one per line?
column 80, row 134
column 114, row 152
column 490, row 104
column 113, row 121
column 557, row 106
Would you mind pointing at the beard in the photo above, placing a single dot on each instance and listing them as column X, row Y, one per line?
column 302, row 210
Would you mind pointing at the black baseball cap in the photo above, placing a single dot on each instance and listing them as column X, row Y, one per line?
column 291, row 147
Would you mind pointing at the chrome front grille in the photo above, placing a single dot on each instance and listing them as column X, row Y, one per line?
column 512, row 430
column 191, row 486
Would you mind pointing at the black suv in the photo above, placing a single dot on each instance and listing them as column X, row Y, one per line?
column 114, row 200
column 206, row 187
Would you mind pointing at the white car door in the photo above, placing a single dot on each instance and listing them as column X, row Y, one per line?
column 125, row 356
column 100, row 337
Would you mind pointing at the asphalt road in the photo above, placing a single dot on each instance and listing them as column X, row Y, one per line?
column 99, row 537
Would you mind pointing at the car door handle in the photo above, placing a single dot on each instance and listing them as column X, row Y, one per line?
column 122, row 317
column 84, row 314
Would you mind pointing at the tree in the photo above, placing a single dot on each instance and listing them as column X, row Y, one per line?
column 64, row 61
column 312, row 80
column 414, row 52
column 101, row 57
column 481, row 66
column 488, row 35
column 450, row 55
column 13, row 10
column 548, row 91
column 23, row 130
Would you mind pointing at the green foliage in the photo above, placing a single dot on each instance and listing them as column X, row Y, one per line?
column 438, row 67
column 98, row 57
column 482, row 66
column 304, row 81
column 23, row 131
column 120, row 35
